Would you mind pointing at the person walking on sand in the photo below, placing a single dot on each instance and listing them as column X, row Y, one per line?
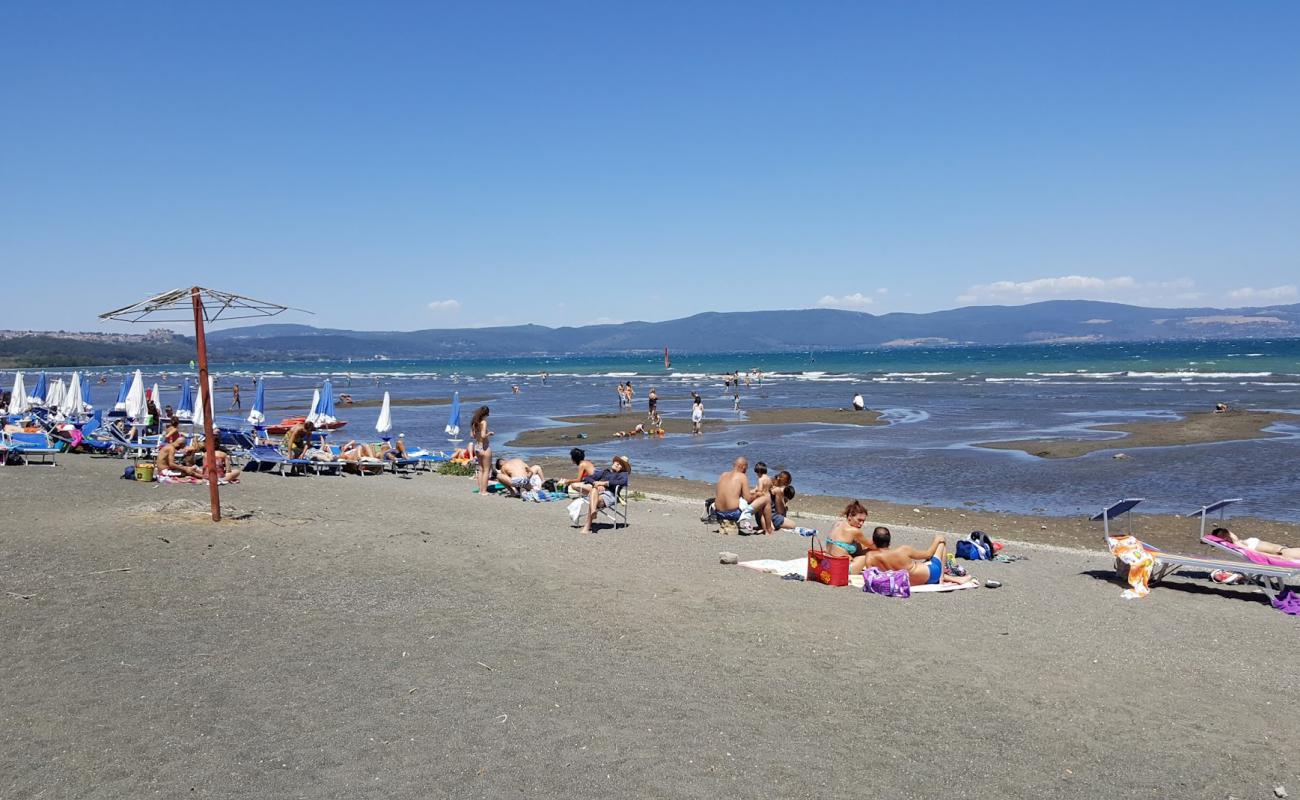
column 481, row 441
column 697, row 413
column 234, row 397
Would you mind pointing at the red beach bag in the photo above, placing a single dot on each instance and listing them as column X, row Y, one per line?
column 826, row 568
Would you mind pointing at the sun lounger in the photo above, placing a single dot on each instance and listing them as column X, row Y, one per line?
column 26, row 446
column 1271, row 579
column 1237, row 550
column 418, row 458
column 132, row 447
column 266, row 455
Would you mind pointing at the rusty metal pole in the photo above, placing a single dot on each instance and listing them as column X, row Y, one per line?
column 205, row 397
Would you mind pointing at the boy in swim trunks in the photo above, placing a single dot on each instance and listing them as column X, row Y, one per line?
column 922, row 566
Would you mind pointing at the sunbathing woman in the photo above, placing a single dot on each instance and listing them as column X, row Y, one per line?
column 482, row 439
column 847, row 539
column 1252, row 543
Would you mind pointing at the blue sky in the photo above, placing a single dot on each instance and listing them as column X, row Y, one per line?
column 400, row 166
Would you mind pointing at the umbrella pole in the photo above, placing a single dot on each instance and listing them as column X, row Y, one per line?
column 205, row 397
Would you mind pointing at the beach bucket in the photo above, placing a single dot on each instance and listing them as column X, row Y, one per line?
column 144, row 471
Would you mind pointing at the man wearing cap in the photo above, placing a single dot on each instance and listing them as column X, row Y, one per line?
column 602, row 487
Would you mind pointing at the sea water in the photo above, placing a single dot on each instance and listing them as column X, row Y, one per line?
column 937, row 403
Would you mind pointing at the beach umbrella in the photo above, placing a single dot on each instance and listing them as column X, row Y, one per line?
column 136, row 407
column 315, row 402
column 453, row 422
column 156, row 397
column 18, row 402
column 54, row 396
column 200, row 408
column 37, row 395
column 325, row 406
column 186, row 409
column 385, row 423
column 257, row 415
column 73, row 405
column 120, row 405
column 86, row 403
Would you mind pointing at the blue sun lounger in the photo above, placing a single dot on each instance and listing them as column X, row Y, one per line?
column 266, row 454
column 26, row 446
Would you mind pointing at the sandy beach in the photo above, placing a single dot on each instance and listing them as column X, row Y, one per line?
column 403, row 637
column 1204, row 427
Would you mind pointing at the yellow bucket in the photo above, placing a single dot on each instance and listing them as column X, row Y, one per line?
column 144, row 472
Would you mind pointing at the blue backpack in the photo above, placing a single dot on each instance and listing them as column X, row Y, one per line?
column 979, row 547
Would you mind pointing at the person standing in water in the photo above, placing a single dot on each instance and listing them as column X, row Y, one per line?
column 697, row 413
column 234, row 397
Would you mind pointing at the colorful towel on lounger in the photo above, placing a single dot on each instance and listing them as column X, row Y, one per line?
column 1130, row 551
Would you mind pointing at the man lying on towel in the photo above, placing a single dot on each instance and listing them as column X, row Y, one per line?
column 922, row 567
column 733, row 496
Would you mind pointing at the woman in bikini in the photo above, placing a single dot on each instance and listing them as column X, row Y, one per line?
column 847, row 539
column 482, row 439
column 1259, row 546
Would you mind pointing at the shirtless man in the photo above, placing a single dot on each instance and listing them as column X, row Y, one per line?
column 298, row 438
column 733, row 496
column 517, row 477
column 922, row 566
column 166, row 463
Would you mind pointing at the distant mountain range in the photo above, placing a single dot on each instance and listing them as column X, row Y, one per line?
column 1055, row 321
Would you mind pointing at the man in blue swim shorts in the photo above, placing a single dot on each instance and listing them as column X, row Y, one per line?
column 921, row 566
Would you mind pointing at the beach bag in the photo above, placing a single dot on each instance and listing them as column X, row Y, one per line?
column 575, row 510
column 891, row 583
column 826, row 568
column 549, row 485
column 979, row 547
column 710, row 516
column 128, row 474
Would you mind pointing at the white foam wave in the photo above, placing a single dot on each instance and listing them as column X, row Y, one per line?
column 915, row 374
column 1195, row 375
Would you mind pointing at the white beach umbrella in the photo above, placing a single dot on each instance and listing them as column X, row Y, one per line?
column 315, row 403
column 156, row 398
column 200, row 408
column 385, row 423
column 18, row 402
column 136, row 407
column 54, row 397
column 73, row 405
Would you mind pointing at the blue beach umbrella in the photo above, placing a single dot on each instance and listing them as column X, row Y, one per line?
column 453, row 422
column 85, row 395
column 257, row 415
column 186, row 408
column 37, row 394
column 325, row 408
column 120, row 405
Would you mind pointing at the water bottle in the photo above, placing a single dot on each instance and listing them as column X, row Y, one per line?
column 806, row 531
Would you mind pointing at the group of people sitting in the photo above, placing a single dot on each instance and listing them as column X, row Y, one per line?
column 181, row 458
column 761, row 507
column 298, row 443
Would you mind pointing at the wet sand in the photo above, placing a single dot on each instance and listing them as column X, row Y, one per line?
column 402, row 637
column 1198, row 428
column 603, row 427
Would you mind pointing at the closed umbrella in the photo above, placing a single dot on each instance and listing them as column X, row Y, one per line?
column 186, row 408
column 120, row 405
column 136, row 407
column 325, row 406
column 54, row 395
column 87, row 404
column 315, row 401
column 257, row 415
column 37, row 395
column 201, row 407
column 453, row 422
column 73, row 405
column 385, row 423
column 18, row 402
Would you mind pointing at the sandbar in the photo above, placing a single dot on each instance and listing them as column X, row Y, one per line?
column 602, row 427
column 1200, row 427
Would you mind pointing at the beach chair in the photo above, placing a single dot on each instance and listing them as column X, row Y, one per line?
column 617, row 513
column 418, row 458
column 27, row 446
column 1236, row 550
column 264, row 455
column 1271, row 579
column 142, row 447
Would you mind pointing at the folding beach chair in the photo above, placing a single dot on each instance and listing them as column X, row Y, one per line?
column 26, row 446
column 132, row 447
column 616, row 513
column 1271, row 579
